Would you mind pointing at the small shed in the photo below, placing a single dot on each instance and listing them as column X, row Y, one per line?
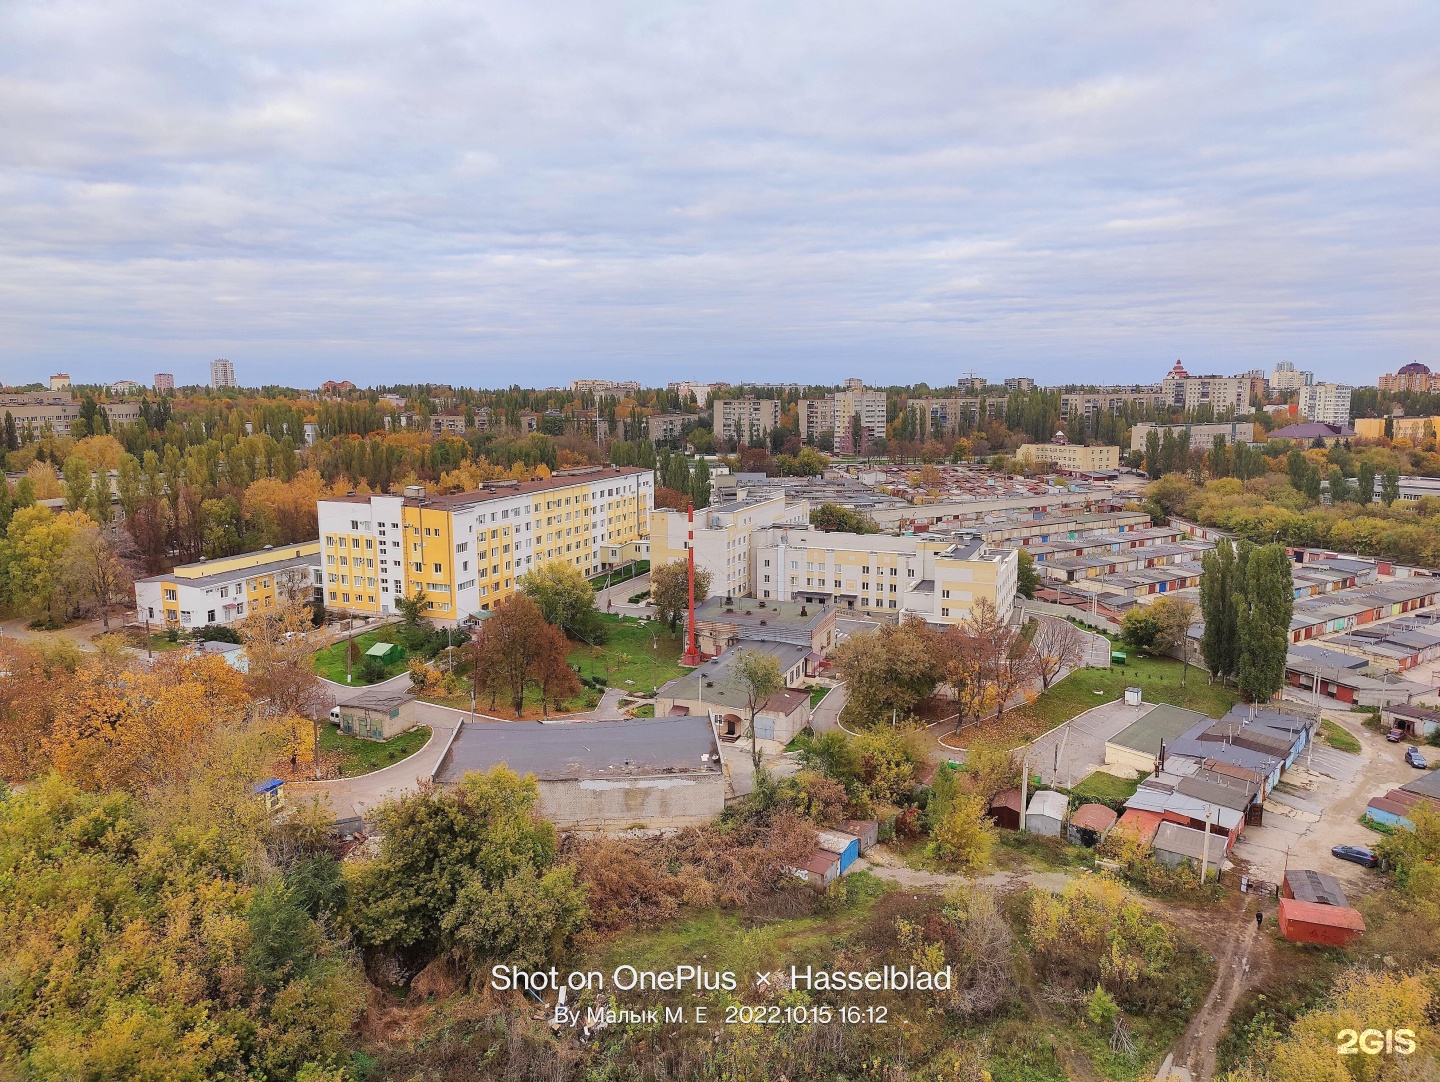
column 1047, row 813
column 1176, row 844
column 1134, row 696
column 822, row 869
column 1326, row 925
column 378, row 713
column 1389, row 813
column 1089, row 823
column 386, row 652
column 271, row 793
column 1305, row 885
column 1005, row 809
column 867, row 830
column 845, row 846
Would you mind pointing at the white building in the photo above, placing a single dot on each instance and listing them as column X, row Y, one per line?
column 1287, row 378
column 746, row 420
column 1328, row 403
column 934, row 579
column 60, row 382
column 226, row 590
column 1221, row 393
column 222, row 374
column 722, row 537
column 837, row 412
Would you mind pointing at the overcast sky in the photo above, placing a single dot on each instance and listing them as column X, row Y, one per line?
column 493, row 193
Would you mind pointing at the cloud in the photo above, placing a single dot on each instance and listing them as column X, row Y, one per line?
column 526, row 193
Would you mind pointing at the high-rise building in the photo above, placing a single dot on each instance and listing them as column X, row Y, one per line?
column 971, row 384
column 837, row 412
column 745, row 420
column 222, row 374
column 164, row 381
column 722, row 537
column 1411, row 377
column 1220, row 393
column 60, row 382
column 1287, row 378
column 467, row 550
column 1019, row 383
column 1328, row 403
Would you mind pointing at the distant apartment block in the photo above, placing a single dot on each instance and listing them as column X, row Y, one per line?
column 1019, row 383
column 1202, row 436
column 699, row 393
column 1085, row 405
column 599, row 387
column 667, row 427
column 938, row 417
column 124, row 386
column 1411, row 377
column 1415, row 429
column 1221, row 393
column 722, row 537
column 1327, row 403
column 937, row 580
column 971, row 385
column 746, row 420
column 222, row 374
column 34, row 410
column 836, row 413
column 60, row 382
column 1072, row 457
column 1286, row 377
column 164, row 381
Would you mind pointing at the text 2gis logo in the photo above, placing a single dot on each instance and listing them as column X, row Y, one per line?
column 1375, row 1042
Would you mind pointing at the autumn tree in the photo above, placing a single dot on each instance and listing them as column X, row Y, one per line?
column 670, row 591
column 504, row 646
column 759, row 676
column 1173, row 618
column 1058, row 646
column 988, row 660
column 550, row 669
column 35, row 558
column 888, row 671
column 96, row 572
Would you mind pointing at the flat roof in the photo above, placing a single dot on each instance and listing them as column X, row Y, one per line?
column 1163, row 722
column 640, row 747
column 504, row 488
column 1333, row 916
column 1307, row 885
column 281, row 562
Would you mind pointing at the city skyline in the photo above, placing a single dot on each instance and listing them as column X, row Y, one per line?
column 531, row 196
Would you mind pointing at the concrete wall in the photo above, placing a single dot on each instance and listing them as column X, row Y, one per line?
column 666, row 800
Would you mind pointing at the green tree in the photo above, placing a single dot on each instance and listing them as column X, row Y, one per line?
column 565, row 599
column 1218, row 607
column 1339, row 486
column 670, row 591
column 1140, row 628
column 1365, row 483
column 1173, row 617
column 887, row 671
column 700, row 480
column 1390, row 486
column 527, row 920
column 77, row 483
column 1027, row 579
column 831, row 516
column 6, row 506
column 1264, row 622
column 759, row 676
column 35, row 560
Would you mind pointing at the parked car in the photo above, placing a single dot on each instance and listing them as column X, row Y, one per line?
column 1356, row 854
column 1395, row 735
column 1415, row 759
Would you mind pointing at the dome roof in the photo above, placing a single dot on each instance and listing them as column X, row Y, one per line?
column 1414, row 368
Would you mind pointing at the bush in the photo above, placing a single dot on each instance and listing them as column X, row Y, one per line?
column 372, row 669
column 217, row 633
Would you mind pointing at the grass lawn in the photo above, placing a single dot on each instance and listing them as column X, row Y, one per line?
column 816, row 694
column 1103, row 788
column 646, row 654
column 1337, row 737
column 330, row 662
column 586, row 700
column 359, row 756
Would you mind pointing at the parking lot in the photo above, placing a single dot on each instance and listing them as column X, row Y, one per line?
column 1318, row 805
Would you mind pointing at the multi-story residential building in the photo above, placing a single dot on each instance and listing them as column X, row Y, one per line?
column 222, row 374
column 1411, row 377
column 837, row 412
column 971, row 385
column 1019, row 383
column 1328, row 403
column 699, row 393
column 227, row 590
column 1415, row 429
column 164, row 381
column 1202, row 436
column 33, row 410
column 746, row 420
column 936, row 579
column 598, row 387
column 667, row 427
column 948, row 416
column 1072, row 457
column 722, row 537
column 448, row 423
column 60, row 382
column 467, row 550
column 1286, row 377
column 1220, row 393
column 124, row 386
column 1084, row 405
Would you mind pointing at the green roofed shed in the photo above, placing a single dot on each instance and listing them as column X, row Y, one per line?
column 385, row 651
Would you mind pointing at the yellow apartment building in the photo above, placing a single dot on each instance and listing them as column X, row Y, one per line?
column 467, row 550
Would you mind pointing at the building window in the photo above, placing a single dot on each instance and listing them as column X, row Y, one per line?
column 169, row 595
column 210, row 617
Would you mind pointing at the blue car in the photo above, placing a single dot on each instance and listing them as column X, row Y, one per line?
column 1415, row 759
column 1356, row 854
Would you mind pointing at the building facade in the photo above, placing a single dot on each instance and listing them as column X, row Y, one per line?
column 837, row 412
column 722, row 537
column 1328, row 403
column 1202, row 436
column 227, row 590
column 164, row 381
column 1019, row 383
column 467, row 550
column 949, row 416
column 1411, row 377
column 222, row 374
column 746, row 420
column 1085, row 405
column 1286, row 377
column 938, row 580
column 1220, row 393
column 667, row 427
column 34, row 410
column 598, row 387
column 1072, row 457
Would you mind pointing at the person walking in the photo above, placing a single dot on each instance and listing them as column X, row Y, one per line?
column 1259, row 919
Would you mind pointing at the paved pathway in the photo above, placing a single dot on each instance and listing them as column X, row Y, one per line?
column 827, row 714
column 616, row 598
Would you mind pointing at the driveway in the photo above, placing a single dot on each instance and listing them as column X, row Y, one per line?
column 1067, row 753
column 616, row 598
column 1319, row 803
column 827, row 714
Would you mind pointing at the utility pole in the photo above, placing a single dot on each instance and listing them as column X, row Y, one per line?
column 1205, row 846
column 349, row 642
column 1024, row 790
column 149, row 653
column 692, row 655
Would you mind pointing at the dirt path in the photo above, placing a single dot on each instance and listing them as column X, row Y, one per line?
column 1240, row 958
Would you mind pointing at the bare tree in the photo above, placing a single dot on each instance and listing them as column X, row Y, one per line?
column 987, row 660
column 280, row 670
column 95, row 572
column 1058, row 645
column 759, row 676
column 1173, row 617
